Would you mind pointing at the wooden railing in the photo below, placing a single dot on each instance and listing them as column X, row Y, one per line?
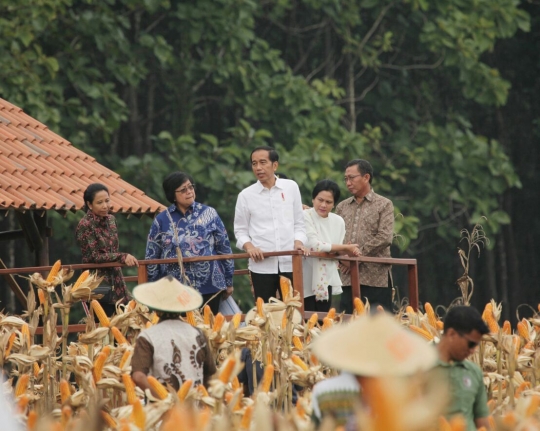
column 298, row 284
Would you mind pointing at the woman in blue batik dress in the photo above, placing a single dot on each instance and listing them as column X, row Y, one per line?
column 196, row 230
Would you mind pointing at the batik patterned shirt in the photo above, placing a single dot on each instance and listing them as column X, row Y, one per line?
column 370, row 224
column 98, row 239
column 198, row 232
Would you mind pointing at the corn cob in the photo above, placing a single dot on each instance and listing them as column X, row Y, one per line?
column 65, row 393
column 129, row 384
column 523, row 331
column 124, row 425
column 235, row 383
column 510, row 419
column 107, row 350
column 131, row 305
column 432, row 318
column 202, row 390
column 22, row 403
column 138, row 415
column 124, row 360
column 190, row 318
column 246, row 418
column 100, row 313
column 444, row 425
column 410, row 311
column 297, row 343
column 99, row 363
column 440, row 325
column 522, row 387
column 300, row 409
column 236, row 320
column 22, row 384
column 227, row 370
column 118, row 336
column 41, row 296
column 268, row 376
column 148, row 325
column 25, row 332
column 359, row 306
column 298, row 361
column 269, row 359
column 313, row 320
column 207, row 315
column 205, row 416
column 109, row 420
column 313, row 359
column 184, row 389
column 32, row 420
column 421, row 332
column 66, row 416
column 285, row 285
column 457, row 423
column 331, row 313
column 84, row 275
column 54, row 271
column 507, row 329
column 37, row 369
column 157, row 388
column 534, row 403
column 218, row 322
column 9, row 345
column 155, row 319
column 491, row 421
column 260, row 309
column 491, row 322
column 327, row 323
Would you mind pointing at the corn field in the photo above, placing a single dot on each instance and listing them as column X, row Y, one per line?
column 87, row 384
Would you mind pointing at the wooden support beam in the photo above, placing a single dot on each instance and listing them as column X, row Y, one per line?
column 14, row 286
column 11, row 234
column 42, row 253
column 298, row 278
column 30, row 230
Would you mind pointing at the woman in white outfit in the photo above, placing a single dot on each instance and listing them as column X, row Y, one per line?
column 325, row 231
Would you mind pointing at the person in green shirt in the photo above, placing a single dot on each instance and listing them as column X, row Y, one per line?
column 463, row 330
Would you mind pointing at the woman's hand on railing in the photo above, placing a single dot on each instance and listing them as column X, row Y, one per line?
column 227, row 292
column 351, row 249
column 131, row 260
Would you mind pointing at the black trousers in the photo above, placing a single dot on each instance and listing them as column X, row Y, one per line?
column 265, row 286
column 376, row 296
column 310, row 304
column 214, row 303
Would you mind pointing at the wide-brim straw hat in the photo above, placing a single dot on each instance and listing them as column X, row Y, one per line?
column 169, row 295
column 375, row 346
column 276, row 317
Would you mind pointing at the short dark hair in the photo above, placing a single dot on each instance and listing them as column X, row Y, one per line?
column 272, row 153
column 90, row 193
column 326, row 186
column 464, row 319
column 363, row 166
column 172, row 182
column 280, row 175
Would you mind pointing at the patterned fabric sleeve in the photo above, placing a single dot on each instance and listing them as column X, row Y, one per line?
column 154, row 250
column 223, row 246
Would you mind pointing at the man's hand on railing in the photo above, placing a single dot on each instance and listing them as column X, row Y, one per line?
column 255, row 253
column 345, row 267
column 131, row 260
column 299, row 245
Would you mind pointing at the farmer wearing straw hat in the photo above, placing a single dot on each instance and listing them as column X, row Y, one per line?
column 371, row 347
column 172, row 351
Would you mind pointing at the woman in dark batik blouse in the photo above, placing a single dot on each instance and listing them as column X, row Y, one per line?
column 197, row 230
column 97, row 236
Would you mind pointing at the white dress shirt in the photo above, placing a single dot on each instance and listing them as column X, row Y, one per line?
column 271, row 219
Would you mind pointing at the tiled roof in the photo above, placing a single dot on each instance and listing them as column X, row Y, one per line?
column 40, row 170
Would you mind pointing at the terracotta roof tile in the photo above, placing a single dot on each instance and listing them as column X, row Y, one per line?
column 40, row 170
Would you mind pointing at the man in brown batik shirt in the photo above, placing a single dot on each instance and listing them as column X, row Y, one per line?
column 369, row 222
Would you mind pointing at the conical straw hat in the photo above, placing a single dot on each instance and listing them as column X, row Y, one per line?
column 169, row 295
column 375, row 346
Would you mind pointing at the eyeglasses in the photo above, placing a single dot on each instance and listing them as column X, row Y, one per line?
column 470, row 343
column 186, row 189
column 351, row 177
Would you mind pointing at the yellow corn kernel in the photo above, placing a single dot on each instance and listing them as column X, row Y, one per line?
column 268, row 376
column 297, row 343
column 65, row 393
column 246, row 418
column 129, row 384
column 118, row 336
column 218, row 322
column 432, row 318
column 32, row 420
column 124, row 360
column 313, row 321
column 235, row 383
column 523, row 331
column 109, row 420
column 184, row 389
column 331, row 313
column 491, row 322
column 98, row 366
column 100, row 313
column 25, row 331
column 202, row 390
column 54, row 271
column 131, row 305
column 532, row 408
column 107, row 350
column 421, row 332
column 22, row 384
column 327, row 323
column 190, row 318
column 440, row 325
column 9, row 345
column 207, row 313
column 507, row 329
column 41, row 296
column 36, row 369
column 260, row 309
column 359, row 306
column 157, row 388
column 138, row 416
column 84, row 275
column 227, row 370
column 298, row 361
column 236, row 320
column 285, row 285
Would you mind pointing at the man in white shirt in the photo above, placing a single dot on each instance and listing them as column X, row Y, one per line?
column 268, row 217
